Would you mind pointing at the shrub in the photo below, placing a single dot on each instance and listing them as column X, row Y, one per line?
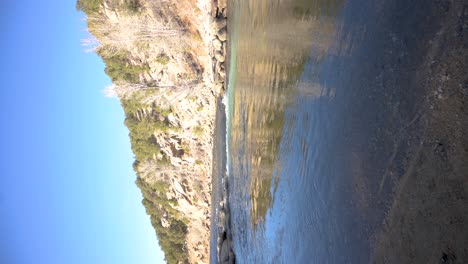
column 89, row 6
column 118, row 67
column 132, row 6
column 198, row 131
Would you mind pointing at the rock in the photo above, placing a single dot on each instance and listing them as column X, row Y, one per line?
column 216, row 78
column 219, row 56
column 217, row 66
column 218, row 88
column 214, row 9
column 165, row 223
column 217, row 44
column 222, row 217
column 148, row 78
column 222, row 4
column 218, row 24
column 159, row 156
column 189, row 160
column 223, row 13
column 172, row 120
column 222, row 34
column 224, row 253
column 222, row 73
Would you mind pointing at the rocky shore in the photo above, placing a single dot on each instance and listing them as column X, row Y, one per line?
column 218, row 23
column 225, row 245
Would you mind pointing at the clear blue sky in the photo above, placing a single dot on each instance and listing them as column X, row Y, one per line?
column 67, row 191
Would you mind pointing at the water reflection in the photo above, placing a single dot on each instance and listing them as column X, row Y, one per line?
column 324, row 97
column 276, row 42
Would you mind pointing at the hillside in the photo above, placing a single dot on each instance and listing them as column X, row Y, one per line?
column 165, row 59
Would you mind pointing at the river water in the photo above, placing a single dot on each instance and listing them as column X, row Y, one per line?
column 321, row 102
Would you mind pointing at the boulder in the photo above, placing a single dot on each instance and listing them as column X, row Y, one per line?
column 225, row 249
column 218, row 88
column 222, row 73
column 217, row 44
column 222, row 34
column 219, row 56
column 218, row 24
column 223, row 12
column 172, row 120
column 218, row 65
column 222, row 4
column 222, row 217
column 214, row 8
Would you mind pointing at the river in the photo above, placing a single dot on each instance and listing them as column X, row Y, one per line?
column 325, row 119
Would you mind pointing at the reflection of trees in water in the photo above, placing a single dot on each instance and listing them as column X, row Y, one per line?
column 316, row 8
column 274, row 44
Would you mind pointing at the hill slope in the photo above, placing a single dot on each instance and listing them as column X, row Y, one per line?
column 160, row 57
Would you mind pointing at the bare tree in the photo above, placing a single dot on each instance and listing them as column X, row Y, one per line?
column 168, row 93
column 125, row 90
column 126, row 30
column 153, row 170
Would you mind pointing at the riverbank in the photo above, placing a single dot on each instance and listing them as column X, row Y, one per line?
column 221, row 250
column 221, row 236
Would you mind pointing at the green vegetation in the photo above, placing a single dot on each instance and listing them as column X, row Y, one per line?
column 93, row 6
column 89, row 6
column 119, row 68
column 198, row 131
column 172, row 238
column 143, row 121
column 308, row 8
column 163, row 59
column 132, row 6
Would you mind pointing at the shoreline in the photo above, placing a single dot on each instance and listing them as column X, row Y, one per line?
column 221, row 235
column 221, row 247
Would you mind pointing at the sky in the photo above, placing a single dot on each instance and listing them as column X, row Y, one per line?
column 67, row 188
